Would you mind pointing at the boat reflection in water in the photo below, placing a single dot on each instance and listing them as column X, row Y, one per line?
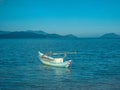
column 55, row 70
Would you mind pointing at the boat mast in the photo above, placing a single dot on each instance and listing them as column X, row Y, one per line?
column 65, row 54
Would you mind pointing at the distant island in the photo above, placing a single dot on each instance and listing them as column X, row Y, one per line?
column 42, row 34
column 33, row 34
column 110, row 36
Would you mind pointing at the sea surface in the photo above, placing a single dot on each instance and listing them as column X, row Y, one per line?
column 96, row 66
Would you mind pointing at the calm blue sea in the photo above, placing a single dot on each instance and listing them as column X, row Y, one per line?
column 96, row 66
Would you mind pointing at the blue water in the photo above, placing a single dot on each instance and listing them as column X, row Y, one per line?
column 96, row 66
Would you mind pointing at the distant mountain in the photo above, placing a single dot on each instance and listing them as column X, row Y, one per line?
column 42, row 34
column 22, row 34
column 54, row 36
column 4, row 32
column 70, row 36
column 38, row 32
column 110, row 36
column 32, row 34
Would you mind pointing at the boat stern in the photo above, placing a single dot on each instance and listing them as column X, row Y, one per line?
column 69, row 63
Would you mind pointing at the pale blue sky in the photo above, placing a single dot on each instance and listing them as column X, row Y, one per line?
column 78, row 17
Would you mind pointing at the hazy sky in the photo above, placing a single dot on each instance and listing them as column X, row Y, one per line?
column 79, row 17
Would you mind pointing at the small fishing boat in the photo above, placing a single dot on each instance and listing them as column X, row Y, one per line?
column 56, row 62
